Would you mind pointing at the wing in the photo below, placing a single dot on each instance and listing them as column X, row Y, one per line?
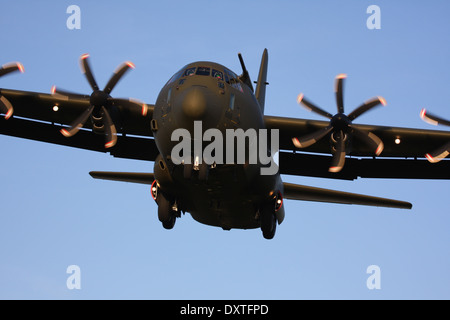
column 40, row 116
column 306, row 193
column 133, row 177
column 403, row 155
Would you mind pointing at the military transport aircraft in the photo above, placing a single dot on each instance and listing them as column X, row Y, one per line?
column 218, row 193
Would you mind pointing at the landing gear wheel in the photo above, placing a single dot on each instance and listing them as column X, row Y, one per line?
column 165, row 213
column 268, row 221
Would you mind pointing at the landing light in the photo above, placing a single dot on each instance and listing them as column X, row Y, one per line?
column 278, row 202
column 154, row 190
column 398, row 141
column 55, row 108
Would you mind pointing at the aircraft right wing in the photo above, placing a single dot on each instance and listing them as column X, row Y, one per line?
column 40, row 116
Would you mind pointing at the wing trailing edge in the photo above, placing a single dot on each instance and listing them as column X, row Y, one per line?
column 306, row 193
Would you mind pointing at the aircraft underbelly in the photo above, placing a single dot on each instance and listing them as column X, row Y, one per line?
column 227, row 214
column 227, row 199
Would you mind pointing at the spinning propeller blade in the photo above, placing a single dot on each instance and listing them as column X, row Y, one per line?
column 100, row 102
column 5, row 106
column 340, row 126
column 438, row 154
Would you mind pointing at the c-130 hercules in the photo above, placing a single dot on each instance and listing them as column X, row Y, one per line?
column 228, row 194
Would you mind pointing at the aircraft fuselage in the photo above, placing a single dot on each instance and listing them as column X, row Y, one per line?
column 224, row 194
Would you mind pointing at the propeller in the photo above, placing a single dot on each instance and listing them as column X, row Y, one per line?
column 340, row 126
column 438, row 154
column 100, row 103
column 6, row 106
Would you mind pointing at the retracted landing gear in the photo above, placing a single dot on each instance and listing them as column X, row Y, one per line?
column 167, row 211
column 268, row 216
column 268, row 221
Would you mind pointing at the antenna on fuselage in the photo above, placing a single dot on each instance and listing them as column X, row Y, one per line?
column 244, row 77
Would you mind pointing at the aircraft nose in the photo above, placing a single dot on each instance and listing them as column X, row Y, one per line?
column 197, row 103
column 194, row 103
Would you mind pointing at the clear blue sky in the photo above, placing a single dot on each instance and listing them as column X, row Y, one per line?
column 53, row 214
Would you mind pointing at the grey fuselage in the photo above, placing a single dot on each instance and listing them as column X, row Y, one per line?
column 232, row 194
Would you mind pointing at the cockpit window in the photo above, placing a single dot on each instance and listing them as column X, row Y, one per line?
column 189, row 72
column 230, row 76
column 176, row 76
column 217, row 74
column 232, row 79
column 203, row 71
column 221, row 75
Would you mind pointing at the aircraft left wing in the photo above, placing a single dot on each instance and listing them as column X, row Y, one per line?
column 133, row 177
column 40, row 116
column 402, row 156
column 307, row 193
